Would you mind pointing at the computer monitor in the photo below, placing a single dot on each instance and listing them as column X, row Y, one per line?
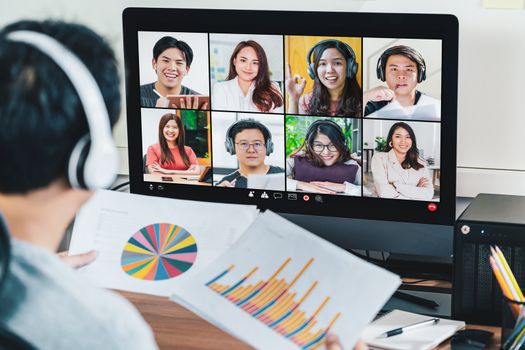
column 343, row 122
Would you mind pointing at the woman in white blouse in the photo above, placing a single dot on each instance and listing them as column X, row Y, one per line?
column 248, row 87
column 400, row 172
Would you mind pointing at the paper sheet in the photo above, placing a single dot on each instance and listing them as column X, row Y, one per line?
column 394, row 110
column 418, row 339
column 127, row 230
column 281, row 287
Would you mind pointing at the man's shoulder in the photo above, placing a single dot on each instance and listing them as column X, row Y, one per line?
column 147, row 87
column 373, row 106
column 275, row 170
column 44, row 294
column 187, row 91
column 230, row 177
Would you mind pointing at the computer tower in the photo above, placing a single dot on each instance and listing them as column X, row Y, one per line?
column 489, row 220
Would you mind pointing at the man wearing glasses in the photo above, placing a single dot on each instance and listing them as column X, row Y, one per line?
column 250, row 141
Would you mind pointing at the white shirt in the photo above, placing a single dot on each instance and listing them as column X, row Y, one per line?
column 227, row 95
column 392, row 181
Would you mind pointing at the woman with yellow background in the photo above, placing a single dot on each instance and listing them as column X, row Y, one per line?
column 333, row 67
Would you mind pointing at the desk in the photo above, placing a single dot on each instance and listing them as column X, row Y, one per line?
column 176, row 179
column 177, row 328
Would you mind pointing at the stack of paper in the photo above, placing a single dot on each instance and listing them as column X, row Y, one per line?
column 281, row 287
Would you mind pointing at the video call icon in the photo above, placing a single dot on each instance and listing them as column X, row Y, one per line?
column 277, row 195
column 265, row 195
column 318, row 198
column 251, row 194
column 151, row 187
column 306, row 198
column 292, row 196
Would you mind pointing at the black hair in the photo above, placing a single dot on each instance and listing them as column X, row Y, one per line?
column 350, row 103
column 406, row 51
column 169, row 42
column 336, row 135
column 41, row 116
column 412, row 156
column 245, row 124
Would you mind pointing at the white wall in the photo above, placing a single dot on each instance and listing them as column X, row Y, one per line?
column 491, row 120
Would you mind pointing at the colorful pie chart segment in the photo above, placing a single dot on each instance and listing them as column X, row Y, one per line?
column 159, row 252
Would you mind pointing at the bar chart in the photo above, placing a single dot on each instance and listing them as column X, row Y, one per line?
column 273, row 302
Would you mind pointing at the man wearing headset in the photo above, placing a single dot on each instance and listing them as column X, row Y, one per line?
column 59, row 88
column 402, row 68
column 250, row 141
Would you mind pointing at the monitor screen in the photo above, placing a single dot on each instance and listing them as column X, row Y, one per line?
column 350, row 115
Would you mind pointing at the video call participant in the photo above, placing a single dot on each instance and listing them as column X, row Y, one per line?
column 336, row 90
column 250, row 141
column 44, row 300
column 166, row 157
column 171, row 62
column 248, row 86
column 323, row 163
column 399, row 172
column 402, row 68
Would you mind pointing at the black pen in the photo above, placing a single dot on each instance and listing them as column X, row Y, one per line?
column 409, row 327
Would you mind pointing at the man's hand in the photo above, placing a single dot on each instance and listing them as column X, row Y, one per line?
column 379, row 93
column 79, row 260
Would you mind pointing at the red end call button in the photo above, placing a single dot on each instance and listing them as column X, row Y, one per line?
column 306, row 198
column 432, row 207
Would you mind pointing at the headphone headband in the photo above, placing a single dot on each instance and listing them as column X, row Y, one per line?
column 229, row 142
column 98, row 168
column 351, row 64
column 313, row 127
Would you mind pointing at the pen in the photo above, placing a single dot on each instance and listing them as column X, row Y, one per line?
column 409, row 327
column 158, row 93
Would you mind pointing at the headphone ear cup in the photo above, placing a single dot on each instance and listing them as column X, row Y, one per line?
column 269, row 147
column 422, row 74
column 230, row 147
column 311, row 70
column 351, row 68
column 379, row 69
column 77, row 162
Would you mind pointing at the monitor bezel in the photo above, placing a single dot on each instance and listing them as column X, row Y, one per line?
column 368, row 25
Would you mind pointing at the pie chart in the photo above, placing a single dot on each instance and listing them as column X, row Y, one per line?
column 159, row 252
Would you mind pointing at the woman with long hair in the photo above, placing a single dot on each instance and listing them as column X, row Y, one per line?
column 171, row 155
column 323, row 163
column 248, row 87
column 336, row 90
column 400, row 172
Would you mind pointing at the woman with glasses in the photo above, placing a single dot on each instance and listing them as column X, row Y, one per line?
column 250, row 141
column 171, row 156
column 323, row 164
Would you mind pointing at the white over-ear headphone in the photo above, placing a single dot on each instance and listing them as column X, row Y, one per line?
column 92, row 164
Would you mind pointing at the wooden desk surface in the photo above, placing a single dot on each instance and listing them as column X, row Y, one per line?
column 178, row 328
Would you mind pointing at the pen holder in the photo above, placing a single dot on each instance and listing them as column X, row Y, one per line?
column 509, row 327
